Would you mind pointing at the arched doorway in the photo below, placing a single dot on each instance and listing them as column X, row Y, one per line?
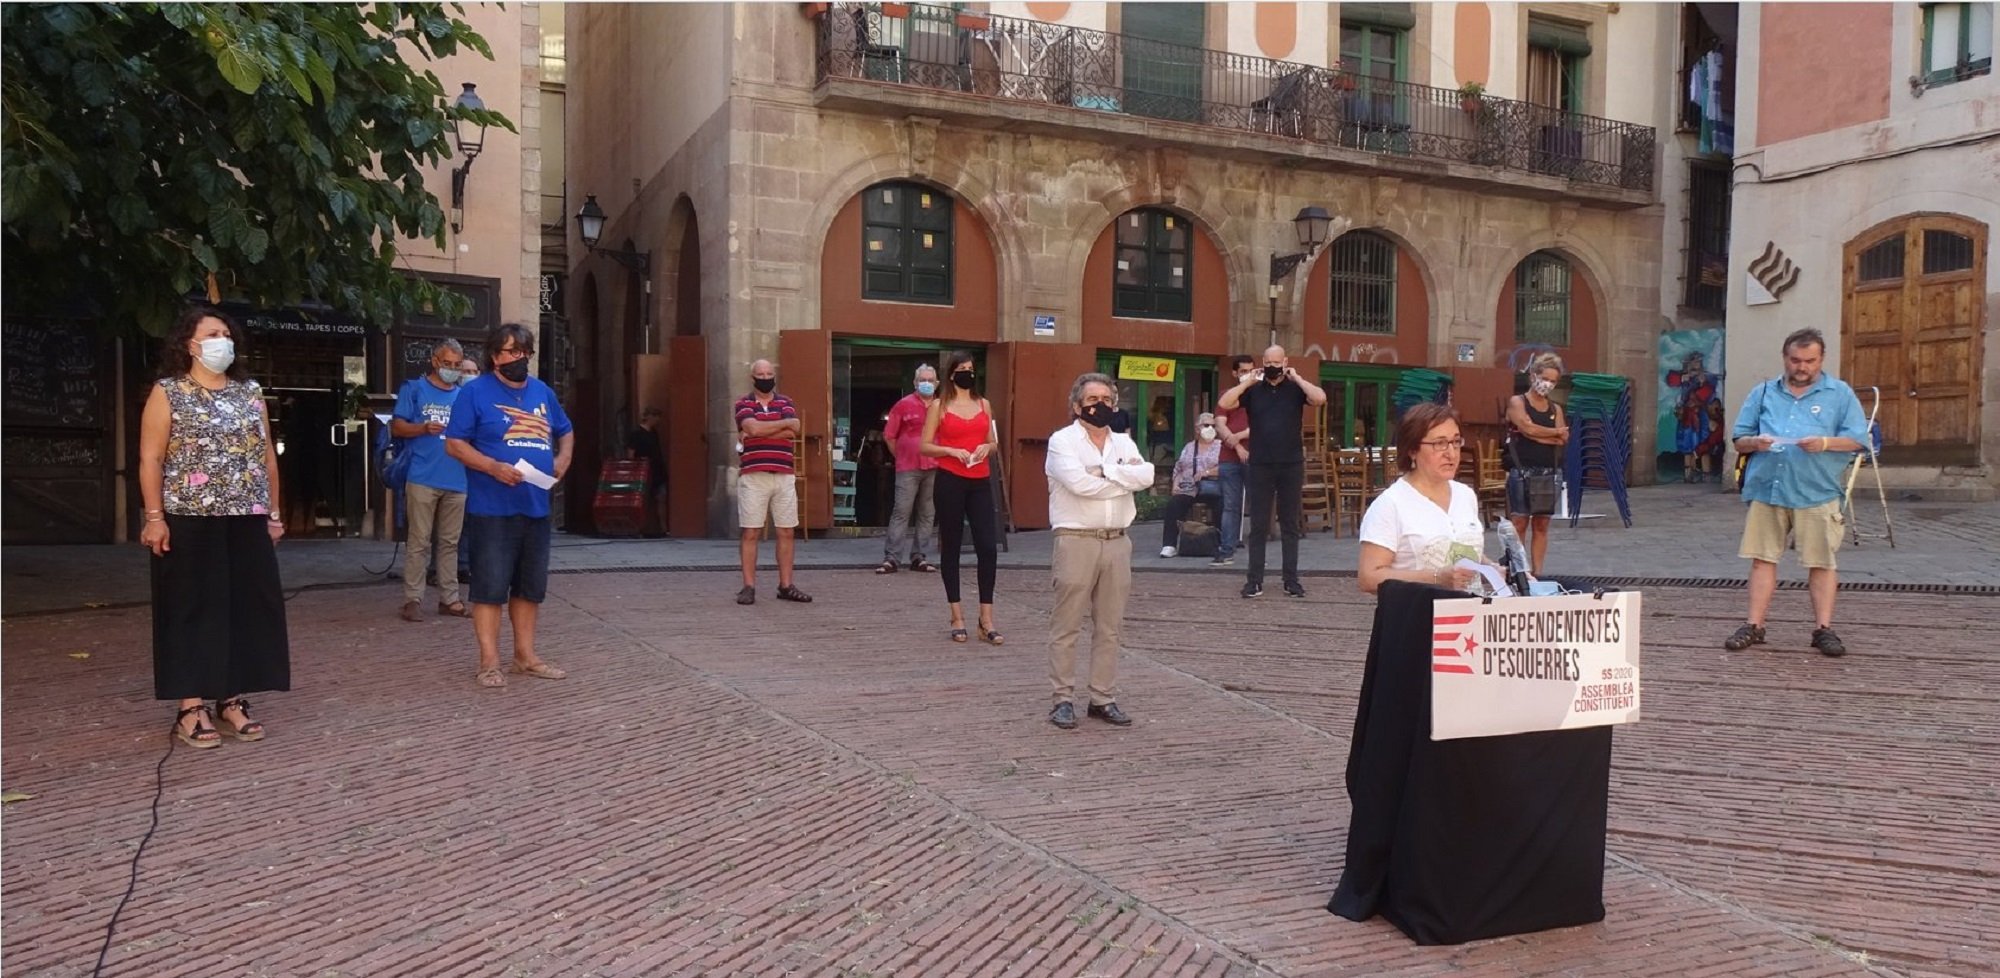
column 1912, row 312
column 1367, row 313
column 687, row 388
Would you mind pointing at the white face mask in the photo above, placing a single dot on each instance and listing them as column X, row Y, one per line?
column 1208, row 432
column 217, row 353
column 1543, row 387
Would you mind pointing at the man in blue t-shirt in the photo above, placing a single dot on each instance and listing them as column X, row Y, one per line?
column 435, row 492
column 501, row 420
column 1800, row 432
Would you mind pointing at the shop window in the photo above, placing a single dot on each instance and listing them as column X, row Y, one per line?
column 906, row 243
column 1958, row 42
column 1364, row 284
column 1150, row 277
column 1542, row 299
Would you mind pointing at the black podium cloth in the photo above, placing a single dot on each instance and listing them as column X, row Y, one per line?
column 1458, row 840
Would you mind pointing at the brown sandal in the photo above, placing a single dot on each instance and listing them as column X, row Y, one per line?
column 248, row 730
column 202, row 737
column 887, row 567
column 456, row 609
column 491, row 679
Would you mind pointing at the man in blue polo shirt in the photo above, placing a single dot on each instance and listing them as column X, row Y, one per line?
column 504, row 418
column 435, row 489
column 1799, row 432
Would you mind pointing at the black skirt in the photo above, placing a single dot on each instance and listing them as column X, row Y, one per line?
column 218, row 610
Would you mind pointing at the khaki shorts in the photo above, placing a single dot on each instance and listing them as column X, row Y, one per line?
column 762, row 496
column 1816, row 529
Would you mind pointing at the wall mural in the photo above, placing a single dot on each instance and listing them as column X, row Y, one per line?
column 1691, row 408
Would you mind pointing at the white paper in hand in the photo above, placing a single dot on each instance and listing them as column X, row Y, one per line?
column 534, row 476
column 1497, row 583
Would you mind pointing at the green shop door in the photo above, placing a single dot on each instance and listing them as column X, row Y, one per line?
column 1164, row 395
column 1360, row 403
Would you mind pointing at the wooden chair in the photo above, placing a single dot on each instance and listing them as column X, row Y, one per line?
column 1490, row 482
column 1316, row 495
column 1350, row 488
column 1382, row 472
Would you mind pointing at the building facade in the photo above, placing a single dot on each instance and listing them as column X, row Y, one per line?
column 853, row 189
column 1865, row 204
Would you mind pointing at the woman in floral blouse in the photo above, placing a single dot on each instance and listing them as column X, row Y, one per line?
column 208, row 474
column 1196, row 479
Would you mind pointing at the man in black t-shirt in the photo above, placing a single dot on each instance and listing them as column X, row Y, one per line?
column 644, row 443
column 1275, row 398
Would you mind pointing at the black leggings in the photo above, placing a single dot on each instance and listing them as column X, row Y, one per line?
column 957, row 498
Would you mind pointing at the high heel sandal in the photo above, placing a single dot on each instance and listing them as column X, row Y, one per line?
column 249, row 730
column 195, row 737
column 960, row 635
column 991, row 637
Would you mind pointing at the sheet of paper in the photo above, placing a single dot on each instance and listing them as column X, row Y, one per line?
column 1784, row 441
column 1492, row 575
column 534, row 476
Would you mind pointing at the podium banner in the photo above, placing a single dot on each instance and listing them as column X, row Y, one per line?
column 1514, row 665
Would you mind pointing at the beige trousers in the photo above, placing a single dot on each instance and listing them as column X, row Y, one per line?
column 431, row 510
column 1091, row 575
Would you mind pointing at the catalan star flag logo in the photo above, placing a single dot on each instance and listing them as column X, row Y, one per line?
column 526, row 424
column 1452, row 644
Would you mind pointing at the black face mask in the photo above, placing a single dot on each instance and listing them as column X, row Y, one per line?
column 514, row 370
column 962, row 380
column 1273, row 373
column 1097, row 415
column 765, row 385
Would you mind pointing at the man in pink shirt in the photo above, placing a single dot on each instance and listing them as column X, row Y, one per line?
column 915, row 475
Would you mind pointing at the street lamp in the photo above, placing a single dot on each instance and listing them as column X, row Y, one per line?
column 1313, row 224
column 471, row 138
column 590, row 227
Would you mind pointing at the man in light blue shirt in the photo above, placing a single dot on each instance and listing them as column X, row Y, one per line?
column 1799, row 433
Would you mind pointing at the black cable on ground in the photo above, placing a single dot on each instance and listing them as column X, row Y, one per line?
column 131, row 885
column 386, row 568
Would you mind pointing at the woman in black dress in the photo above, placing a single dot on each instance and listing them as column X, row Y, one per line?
column 208, row 475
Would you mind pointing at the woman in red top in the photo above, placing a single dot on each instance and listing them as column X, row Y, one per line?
column 959, row 433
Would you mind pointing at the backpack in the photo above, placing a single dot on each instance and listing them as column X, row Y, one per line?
column 392, row 457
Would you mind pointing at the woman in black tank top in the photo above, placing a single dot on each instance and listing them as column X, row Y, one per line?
column 1535, row 446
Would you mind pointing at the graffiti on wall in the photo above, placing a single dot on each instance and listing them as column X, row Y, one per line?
column 1691, row 409
column 1358, row 353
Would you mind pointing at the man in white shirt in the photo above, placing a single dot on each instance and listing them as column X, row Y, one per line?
column 1093, row 472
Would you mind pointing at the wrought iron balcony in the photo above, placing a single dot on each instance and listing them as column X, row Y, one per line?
column 941, row 49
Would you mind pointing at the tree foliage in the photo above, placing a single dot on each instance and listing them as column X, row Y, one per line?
column 276, row 146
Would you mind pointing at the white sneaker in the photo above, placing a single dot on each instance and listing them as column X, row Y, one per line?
column 1168, row 552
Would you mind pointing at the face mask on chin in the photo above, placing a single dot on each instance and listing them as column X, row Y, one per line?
column 514, row 371
column 764, row 385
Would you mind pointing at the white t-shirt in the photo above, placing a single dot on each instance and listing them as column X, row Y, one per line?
column 1422, row 536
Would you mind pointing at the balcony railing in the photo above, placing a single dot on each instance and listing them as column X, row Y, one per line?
column 1028, row 60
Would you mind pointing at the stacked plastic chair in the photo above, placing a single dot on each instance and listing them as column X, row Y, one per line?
column 1600, row 440
column 1420, row 385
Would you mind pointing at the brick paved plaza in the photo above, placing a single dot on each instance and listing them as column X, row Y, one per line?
column 835, row 789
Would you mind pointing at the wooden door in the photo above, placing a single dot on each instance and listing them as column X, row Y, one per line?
column 687, row 437
column 1029, row 385
column 805, row 374
column 1911, row 316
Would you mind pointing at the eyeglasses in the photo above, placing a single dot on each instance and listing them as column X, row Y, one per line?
column 1444, row 444
column 508, row 354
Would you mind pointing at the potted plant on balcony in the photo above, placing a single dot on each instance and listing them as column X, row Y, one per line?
column 1472, row 97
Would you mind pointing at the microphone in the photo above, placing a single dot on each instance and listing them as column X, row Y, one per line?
column 1515, row 556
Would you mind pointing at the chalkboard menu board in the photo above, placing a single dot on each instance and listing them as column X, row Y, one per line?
column 413, row 354
column 56, row 374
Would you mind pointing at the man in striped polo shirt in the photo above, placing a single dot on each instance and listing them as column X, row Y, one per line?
column 766, row 489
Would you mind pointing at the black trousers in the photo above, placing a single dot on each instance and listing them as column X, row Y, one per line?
column 1280, row 485
column 218, row 611
column 958, row 499
column 1177, row 510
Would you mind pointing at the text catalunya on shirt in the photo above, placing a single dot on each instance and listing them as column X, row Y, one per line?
column 508, row 425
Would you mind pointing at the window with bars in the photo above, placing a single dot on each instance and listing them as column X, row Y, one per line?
column 1364, row 284
column 1706, row 280
column 1946, row 251
column 906, row 243
column 1958, row 42
column 1883, row 261
column 1542, row 299
column 1151, row 276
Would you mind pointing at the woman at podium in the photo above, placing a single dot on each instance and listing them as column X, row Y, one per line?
column 1420, row 527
